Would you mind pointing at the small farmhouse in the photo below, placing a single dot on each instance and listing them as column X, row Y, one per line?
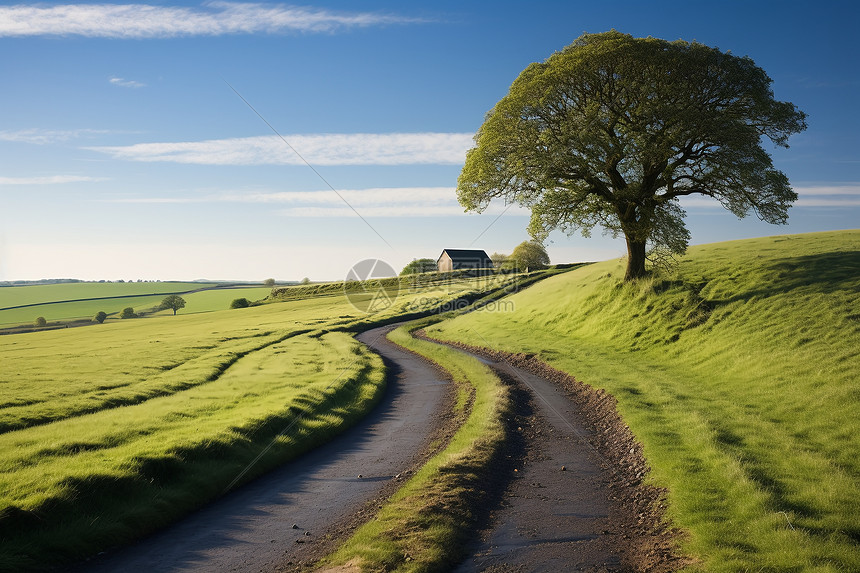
column 456, row 259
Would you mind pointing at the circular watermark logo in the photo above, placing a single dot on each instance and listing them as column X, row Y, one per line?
column 371, row 285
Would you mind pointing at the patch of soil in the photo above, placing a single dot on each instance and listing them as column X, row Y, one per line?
column 636, row 530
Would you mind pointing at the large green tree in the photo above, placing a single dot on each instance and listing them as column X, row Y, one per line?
column 530, row 255
column 612, row 130
column 173, row 302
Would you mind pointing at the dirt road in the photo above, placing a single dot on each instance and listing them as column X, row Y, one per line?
column 251, row 529
column 555, row 514
column 577, row 500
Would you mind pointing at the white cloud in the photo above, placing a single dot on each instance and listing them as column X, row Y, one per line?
column 828, row 202
column 317, row 149
column 47, row 136
column 375, row 202
column 356, row 197
column 376, row 211
column 124, row 83
column 48, row 180
column 148, row 21
column 827, row 195
column 842, row 189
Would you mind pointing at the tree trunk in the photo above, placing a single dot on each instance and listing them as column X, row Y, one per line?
column 635, row 259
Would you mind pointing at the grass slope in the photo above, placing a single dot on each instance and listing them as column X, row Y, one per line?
column 738, row 374
column 110, row 431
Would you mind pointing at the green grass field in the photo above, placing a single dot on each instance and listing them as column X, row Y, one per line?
column 35, row 294
column 110, row 431
column 71, row 301
column 739, row 374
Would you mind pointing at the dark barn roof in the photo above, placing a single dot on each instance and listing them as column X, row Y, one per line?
column 472, row 256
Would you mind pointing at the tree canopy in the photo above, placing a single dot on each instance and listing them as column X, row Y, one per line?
column 530, row 255
column 419, row 266
column 100, row 316
column 499, row 259
column 612, row 130
column 173, row 302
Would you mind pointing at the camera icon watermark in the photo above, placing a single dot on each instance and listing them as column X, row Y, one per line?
column 371, row 285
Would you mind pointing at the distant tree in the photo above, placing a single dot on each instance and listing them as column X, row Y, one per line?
column 269, row 283
column 530, row 255
column 612, row 130
column 41, row 321
column 306, row 281
column 127, row 312
column 100, row 316
column 173, row 302
column 420, row 266
column 499, row 259
column 240, row 303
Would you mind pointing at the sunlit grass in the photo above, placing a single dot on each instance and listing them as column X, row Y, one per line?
column 739, row 375
column 177, row 450
column 109, row 431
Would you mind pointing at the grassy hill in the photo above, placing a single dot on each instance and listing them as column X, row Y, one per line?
column 739, row 374
column 110, row 431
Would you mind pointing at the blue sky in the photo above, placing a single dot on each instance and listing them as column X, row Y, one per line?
column 125, row 152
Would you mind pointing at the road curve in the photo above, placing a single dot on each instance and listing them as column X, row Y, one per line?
column 251, row 529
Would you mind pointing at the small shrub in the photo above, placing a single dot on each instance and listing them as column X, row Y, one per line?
column 240, row 303
column 41, row 321
column 100, row 316
column 127, row 312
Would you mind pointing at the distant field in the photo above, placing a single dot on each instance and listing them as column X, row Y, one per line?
column 219, row 299
column 109, row 431
column 33, row 294
column 111, row 298
column 739, row 374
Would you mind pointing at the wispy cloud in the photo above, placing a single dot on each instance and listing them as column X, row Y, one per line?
column 826, row 195
column 48, row 136
column 359, row 197
column 124, row 83
column 830, row 189
column 377, row 202
column 48, row 180
column 376, row 212
column 323, row 149
column 150, row 21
